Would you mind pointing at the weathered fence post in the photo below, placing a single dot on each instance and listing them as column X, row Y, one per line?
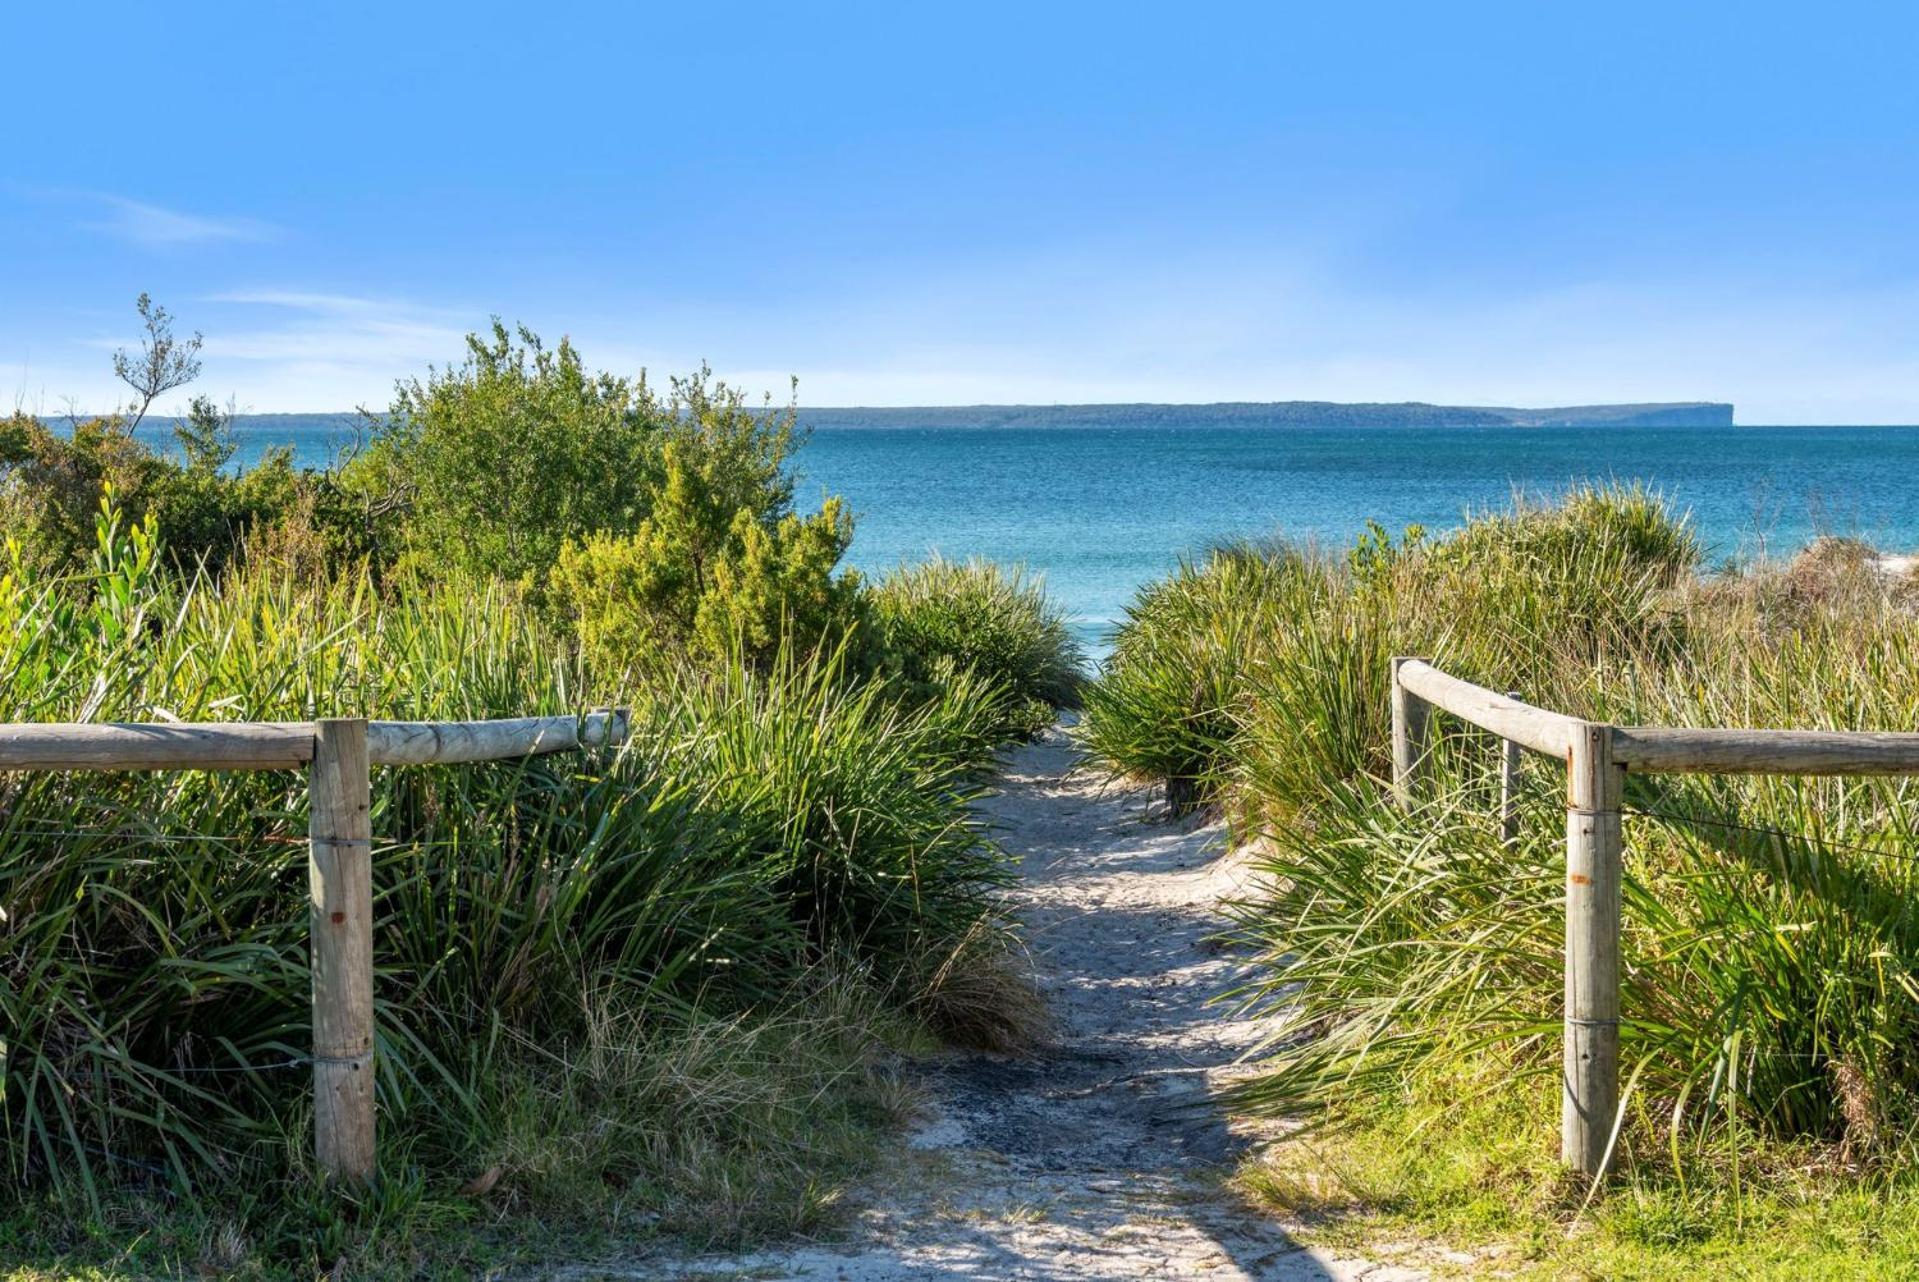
column 1410, row 715
column 340, row 877
column 1509, row 759
column 1590, row 1093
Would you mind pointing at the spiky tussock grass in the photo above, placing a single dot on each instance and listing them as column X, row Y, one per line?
column 983, row 994
column 757, row 829
column 996, row 623
column 715, row 1129
column 647, row 1125
column 1771, row 984
column 1163, row 706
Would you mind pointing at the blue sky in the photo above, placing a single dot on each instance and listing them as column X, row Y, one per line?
column 912, row 204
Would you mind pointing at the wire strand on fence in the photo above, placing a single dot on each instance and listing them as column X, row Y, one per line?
column 14, row 827
column 155, row 1070
column 302, row 1061
column 1823, row 843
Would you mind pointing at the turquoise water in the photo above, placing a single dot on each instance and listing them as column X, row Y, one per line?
column 1100, row 510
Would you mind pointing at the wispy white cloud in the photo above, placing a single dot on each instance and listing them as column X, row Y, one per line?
column 284, row 349
column 1203, row 324
column 306, row 301
column 155, row 227
column 300, row 349
column 1196, row 329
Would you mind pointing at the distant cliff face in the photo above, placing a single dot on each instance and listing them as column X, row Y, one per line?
column 1275, row 414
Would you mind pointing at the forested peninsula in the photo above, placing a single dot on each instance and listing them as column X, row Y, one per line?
column 1276, row 414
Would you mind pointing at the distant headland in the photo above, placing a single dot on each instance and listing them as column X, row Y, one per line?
column 1276, row 414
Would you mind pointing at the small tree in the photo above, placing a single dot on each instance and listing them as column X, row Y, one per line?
column 164, row 362
column 206, row 435
column 693, row 581
column 721, row 565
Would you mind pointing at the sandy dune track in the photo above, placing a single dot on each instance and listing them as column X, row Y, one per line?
column 1101, row 1155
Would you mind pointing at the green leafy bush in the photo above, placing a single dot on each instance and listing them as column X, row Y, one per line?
column 661, row 527
column 205, row 512
column 701, row 579
column 490, row 466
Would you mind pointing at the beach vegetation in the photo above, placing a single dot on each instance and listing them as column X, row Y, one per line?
column 51, row 482
column 491, row 465
column 164, row 362
column 644, row 991
column 1771, row 966
column 977, row 616
column 699, row 579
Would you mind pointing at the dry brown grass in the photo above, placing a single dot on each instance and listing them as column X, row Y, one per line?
column 985, row 995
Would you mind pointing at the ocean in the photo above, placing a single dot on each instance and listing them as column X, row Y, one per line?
column 1099, row 510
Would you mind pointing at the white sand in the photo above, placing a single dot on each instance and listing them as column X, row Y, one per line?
column 1101, row 1156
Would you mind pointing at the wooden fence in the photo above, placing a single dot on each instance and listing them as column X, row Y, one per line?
column 338, row 754
column 1597, row 758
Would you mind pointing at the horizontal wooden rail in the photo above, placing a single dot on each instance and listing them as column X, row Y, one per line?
column 1669, row 749
column 1658, row 750
column 1598, row 757
column 338, row 754
column 1535, row 728
column 241, row 745
column 287, row 745
column 421, row 743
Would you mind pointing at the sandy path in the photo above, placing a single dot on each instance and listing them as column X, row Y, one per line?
column 1099, row 1156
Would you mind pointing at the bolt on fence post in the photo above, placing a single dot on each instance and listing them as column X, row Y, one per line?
column 1595, row 787
column 1509, row 761
column 1410, row 715
column 340, row 882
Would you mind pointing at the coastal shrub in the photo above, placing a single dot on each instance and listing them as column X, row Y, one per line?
column 661, row 527
column 153, row 965
column 51, row 481
column 489, row 466
column 494, row 465
column 50, row 484
column 943, row 616
column 703, row 580
column 1771, row 963
column 205, row 512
